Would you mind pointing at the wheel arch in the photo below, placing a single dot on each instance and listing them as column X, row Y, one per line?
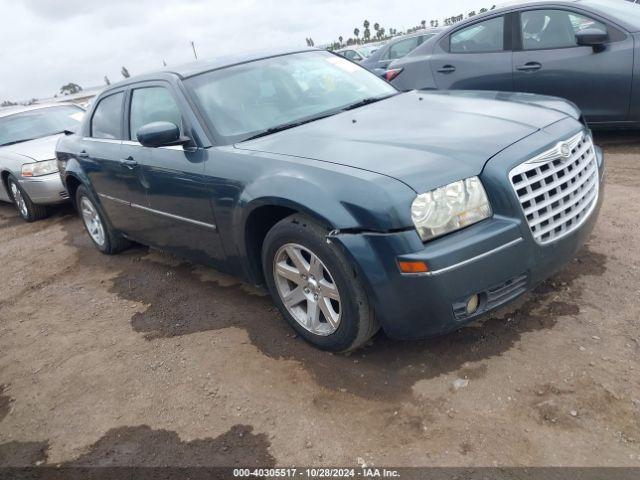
column 261, row 217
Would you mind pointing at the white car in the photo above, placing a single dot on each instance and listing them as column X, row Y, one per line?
column 29, row 175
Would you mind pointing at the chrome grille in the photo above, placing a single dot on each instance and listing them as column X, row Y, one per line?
column 558, row 189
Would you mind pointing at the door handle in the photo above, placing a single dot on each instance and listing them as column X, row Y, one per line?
column 83, row 154
column 129, row 163
column 529, row 67
column 447, row 69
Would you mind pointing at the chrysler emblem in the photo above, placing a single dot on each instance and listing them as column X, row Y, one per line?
column 565, row 150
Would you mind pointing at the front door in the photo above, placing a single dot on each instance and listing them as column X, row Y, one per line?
column 179, row 211
column 116, row 183
column 550, row 62
column 475, row 57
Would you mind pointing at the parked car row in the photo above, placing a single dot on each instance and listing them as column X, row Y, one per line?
column 357, row 205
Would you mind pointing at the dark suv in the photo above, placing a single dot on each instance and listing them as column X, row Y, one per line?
column 357, row 205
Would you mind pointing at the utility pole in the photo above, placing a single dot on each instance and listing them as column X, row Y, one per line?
column 193, row 45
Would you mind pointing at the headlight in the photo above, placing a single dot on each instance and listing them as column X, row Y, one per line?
column 39, row 168
column 450, row 208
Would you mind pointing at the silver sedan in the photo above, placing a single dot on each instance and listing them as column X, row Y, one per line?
column 28, row 167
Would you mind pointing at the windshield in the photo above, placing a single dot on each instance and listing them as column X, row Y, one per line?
column 42, row 122
column 246, row 100
column 625, row 11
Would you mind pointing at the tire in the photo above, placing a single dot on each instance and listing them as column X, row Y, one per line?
column 103, row 236
column 28, row 210
column 312, row 271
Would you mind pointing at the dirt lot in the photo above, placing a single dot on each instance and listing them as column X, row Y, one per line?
column 142, row 359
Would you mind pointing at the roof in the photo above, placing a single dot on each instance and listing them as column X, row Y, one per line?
column 6, row 111
column 202, row 66
column 601, row 7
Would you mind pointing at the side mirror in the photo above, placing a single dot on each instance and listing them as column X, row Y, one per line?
column 160, row 134
column 592, row 37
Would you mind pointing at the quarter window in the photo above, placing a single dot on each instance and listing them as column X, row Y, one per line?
column 548, row 29
column 152, row 104
column 107, row 118
column 482, row 37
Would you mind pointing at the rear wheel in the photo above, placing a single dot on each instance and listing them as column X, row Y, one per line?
column 106, row 239
column 315, row 288
column 28, row 210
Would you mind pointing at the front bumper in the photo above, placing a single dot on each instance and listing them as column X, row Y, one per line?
column 498, row 259
column 45, row 190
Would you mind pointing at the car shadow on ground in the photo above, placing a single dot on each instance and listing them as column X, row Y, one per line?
column 184, row 299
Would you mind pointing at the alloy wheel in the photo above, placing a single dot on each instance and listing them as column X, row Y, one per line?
column 92, row 221
column 21, row 205
column 307, row 289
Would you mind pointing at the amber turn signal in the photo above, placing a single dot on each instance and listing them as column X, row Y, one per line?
column 413, row 266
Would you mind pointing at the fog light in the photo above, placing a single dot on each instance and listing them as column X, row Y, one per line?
column 472, row 304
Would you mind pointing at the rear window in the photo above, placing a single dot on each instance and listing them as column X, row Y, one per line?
column 107, row 118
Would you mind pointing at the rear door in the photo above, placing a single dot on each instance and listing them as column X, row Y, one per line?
column 116, row 184
column 475, row 57
column 548, row 61
column 179, row 210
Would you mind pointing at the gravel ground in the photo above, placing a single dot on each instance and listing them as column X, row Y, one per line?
column 142, row 359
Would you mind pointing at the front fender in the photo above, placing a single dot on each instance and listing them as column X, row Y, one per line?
column 366, row 201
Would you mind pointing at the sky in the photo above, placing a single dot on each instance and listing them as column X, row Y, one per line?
column 45, row 44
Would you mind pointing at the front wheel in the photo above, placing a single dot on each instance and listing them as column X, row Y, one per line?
column 315, row 288
column 28, row 210
column 103, row 236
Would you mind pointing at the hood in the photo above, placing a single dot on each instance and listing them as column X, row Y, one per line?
column 424, row 139
column 39, row 149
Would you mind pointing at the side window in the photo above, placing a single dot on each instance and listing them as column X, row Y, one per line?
column 402, row 48
column 482, row 37
column 152, row 104
column 107, row 118
column 548, row 29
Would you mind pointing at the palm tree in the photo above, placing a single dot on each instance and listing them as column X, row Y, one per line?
column 356, row 32
column 365, row 24
column 125, row 73
column 340, row 39
column 423, row 23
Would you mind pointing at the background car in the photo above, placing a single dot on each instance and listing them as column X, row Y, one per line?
column 585, row 51
column 356, row 54
column 28, row 167
column 396, row 48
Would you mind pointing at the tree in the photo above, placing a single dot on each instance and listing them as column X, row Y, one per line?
column 365, row 24
column 125, row 73
column 340, row 39
column 106, row 80
column 70, row 89
column 376, row 27
column 366, row 34
column 356, row 32
column 423, row 23
column 8, row 103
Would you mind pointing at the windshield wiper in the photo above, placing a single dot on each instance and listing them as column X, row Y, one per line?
column 287, row 126
column 18, row 141
column 367, row 101
column 29, row 139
